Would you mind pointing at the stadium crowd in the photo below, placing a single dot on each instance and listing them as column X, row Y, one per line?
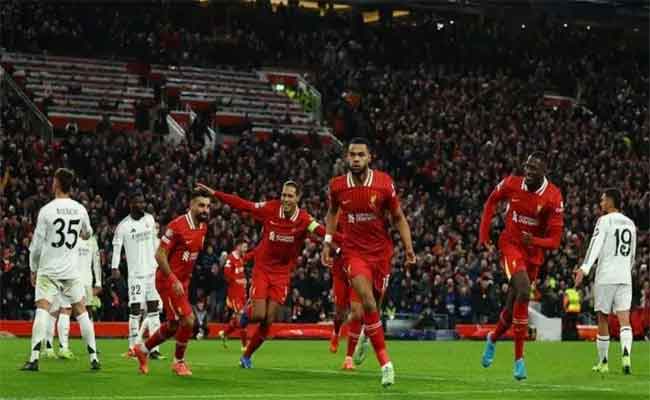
column 450, row 116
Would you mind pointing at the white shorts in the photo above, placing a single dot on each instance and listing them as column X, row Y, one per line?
column 143, row 289
column 610, row 298
column 63, row 292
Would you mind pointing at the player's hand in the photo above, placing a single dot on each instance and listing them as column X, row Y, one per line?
column 578, row 277
column 526, row 238
column 97, row 291
column 326, row 255
column 32, row 278
column 200, row 186
column 411, row 258
column 177, row 287
column 115, row 273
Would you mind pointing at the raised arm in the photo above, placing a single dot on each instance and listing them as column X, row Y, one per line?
column 498, row 194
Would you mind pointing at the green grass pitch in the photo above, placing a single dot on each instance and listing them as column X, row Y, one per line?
column 305, row 369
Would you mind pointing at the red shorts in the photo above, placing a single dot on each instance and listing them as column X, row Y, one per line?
column 175, row 307
column 269, row 286
column 340, row 285
column 514, row 259
column 236, row 299
column 376, row 271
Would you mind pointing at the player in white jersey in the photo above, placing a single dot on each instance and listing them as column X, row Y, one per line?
column 54, row 264
column 137, row 233
column 90, row 271
column 613, row 244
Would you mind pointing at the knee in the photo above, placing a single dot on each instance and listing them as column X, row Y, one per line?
column 258, row 315
column 189, row 320
column 357, row 311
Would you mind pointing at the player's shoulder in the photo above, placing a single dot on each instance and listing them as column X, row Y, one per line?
column 123, row 223
column 553, row 191
column 178, row 223
column 381, row 176
column 267, row 203
column 513, row 181
column 338, row 182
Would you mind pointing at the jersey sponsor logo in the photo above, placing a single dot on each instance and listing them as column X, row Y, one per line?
column 522, row 219
column 260, row 204
column 276, row 237
column 361, row 217
column 189, row 256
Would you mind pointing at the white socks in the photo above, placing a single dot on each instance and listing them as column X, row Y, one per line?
column 64, row 331
column 49, row 333
column 626, row 340
column 602, row 344
column 88, row 333
column 39, row 329
column 153, row 322
column 134, row 327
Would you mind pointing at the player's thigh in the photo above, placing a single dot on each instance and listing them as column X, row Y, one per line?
column 259, row 286
column 341, row 289
column 137, row 289
column 150, row 293
column 236, row 302
column 180, row 304
column 512, row 260
column 622, row 300
column 73, row 292
column 47, row 289
column 278, row 289
column 604, row 298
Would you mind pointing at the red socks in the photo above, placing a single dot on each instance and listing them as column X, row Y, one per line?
column 183, row 336
column 162, row 334
column 520, row 327
column 375, row 332
column 354, row 330
column 505, row 320
column 258, row 338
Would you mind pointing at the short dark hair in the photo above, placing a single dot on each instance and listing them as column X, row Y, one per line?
column 294, row 185
column 65, row 177
column 199, row 193
column 615, row 195
column 360, row 140
column 135, row 193
column 538, row 155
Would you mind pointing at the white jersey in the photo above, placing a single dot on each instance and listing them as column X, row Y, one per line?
column 89, row 263
column 614, row 245
column 53, row 250
column 139, row 237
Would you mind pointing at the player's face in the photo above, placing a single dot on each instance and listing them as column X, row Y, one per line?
column 604, row 203
column 137, row 205
column 200, row 208
column 358, row 158
column 533, row 172
column 243, row 248
column 289, row 199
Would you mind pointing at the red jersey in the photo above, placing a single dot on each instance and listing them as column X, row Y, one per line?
column 234, row 272
column 364, row 212
column 540, row 213
column 183, row 241
column 283, row 236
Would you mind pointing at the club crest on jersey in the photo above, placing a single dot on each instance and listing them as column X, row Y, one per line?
column 539, row 208
column 373, row 201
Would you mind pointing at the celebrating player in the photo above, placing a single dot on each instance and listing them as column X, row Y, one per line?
column 137, row 233
column 285, row 228
column 365, row 198
column 534, row 221
column 236, row 298
column 179, row 248
column 54, row 265
column 613, row 244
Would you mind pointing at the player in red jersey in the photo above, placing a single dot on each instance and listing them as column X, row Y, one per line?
column 285, row 228
column 366, row 198
column 176, row 256
column 534, row 221
column 235, row 276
